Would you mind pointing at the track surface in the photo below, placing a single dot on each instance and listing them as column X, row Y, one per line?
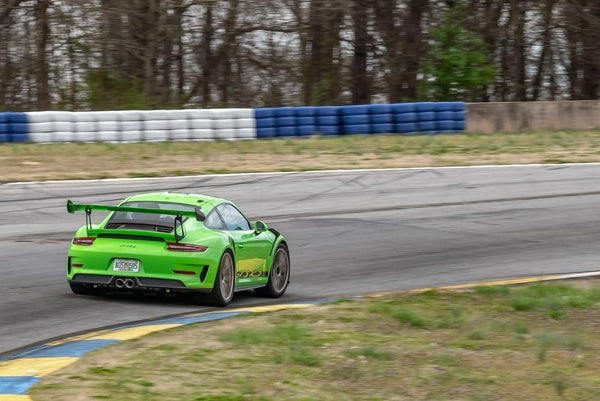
column 350, row 232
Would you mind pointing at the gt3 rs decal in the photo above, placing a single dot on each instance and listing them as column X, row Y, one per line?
column 251, row 274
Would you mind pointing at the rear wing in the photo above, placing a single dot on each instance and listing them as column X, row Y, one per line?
column 196, row 213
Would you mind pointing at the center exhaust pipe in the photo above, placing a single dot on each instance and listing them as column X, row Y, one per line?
column 119, row 283
column 129, row 283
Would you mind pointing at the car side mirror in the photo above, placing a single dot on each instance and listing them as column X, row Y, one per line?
column 260, row 227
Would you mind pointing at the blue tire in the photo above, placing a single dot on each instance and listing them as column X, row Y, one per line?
column 357, row 129
column 426, row 126
column 459, row 115
column 17, row 118
column 4, row 137
column 18, row 138
column 458, row 106
column 459, row 126
column 443, row 106
column 382, row 118
column 445, row 126
column 327, row 110
column 306, row 130
column 284, row 112
column 424, row 107
column 265, row 112
column 405, row 118
column 426, row 116
column 305, row 120
column 329, row 130
column 285, row 121
column 267, row 122
column 355, row 109
column 398, row 108
column 406, row 128
column 287, row 131
column 17, row 128
column 355, row 119
column 305, row 111
column 380, row 109
column 266, row 132
column 383, row 128
column 445, row 115
column 327, row 120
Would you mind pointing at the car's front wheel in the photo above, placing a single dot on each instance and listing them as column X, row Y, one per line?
column 279, row 275
column 224, row 286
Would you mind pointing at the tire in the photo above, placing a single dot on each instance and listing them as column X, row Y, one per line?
column 279, row 275
column 223, row 289
column 83, row 289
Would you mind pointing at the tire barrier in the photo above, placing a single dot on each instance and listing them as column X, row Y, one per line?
column 13, row 127
column 232, row 124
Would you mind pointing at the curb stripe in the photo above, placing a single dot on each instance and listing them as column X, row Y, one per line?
column 74, row 349
column 34, row 366
column 132, row 332
column 16, row 385
column 19, row 372
column 14, row 397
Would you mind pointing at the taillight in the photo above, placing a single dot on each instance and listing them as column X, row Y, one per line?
column 83, row 240
column 179, row 247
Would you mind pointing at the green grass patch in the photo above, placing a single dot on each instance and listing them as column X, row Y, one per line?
column 496, row 343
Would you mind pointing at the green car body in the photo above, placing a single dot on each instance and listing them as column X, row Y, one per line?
column 179, row 243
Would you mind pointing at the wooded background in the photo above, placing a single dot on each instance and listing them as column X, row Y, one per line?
column 143, row 54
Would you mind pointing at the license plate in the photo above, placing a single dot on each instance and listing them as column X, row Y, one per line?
column 126, row 265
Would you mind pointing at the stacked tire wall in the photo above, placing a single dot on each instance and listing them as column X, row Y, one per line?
column 232, row 124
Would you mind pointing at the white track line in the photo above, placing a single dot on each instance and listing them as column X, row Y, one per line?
column 282, row 173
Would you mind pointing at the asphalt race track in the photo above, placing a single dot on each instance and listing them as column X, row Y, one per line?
column 350, row 232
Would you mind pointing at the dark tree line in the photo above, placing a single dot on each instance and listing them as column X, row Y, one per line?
column 114, row 54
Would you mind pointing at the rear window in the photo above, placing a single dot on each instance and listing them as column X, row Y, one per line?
column 147, row 221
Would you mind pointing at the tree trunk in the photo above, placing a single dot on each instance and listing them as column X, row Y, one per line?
column 546, row 49
column 43, row 31
column 590, row 83
column 519, row 56
column 315, row 73
column 207, row 58
column 225, row 54
column 360, row 78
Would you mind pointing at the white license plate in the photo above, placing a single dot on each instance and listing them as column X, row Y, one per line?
column 126, row 265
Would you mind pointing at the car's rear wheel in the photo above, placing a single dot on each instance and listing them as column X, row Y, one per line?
column 222, row 292
column 279, row 275
column 83, row 289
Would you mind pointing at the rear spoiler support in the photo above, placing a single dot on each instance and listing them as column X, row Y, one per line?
column 88, row 218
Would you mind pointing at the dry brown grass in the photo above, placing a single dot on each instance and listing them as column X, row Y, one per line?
column 26, row 162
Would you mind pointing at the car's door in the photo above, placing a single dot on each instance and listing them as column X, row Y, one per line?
column 252, row 248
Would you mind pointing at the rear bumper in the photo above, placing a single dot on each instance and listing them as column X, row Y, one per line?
column 142, row 284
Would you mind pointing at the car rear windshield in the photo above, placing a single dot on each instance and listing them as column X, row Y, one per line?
column 147, row 221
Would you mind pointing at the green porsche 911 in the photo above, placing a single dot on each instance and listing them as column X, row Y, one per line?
column 177, row 243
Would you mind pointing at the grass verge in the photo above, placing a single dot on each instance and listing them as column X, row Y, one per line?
column 26, row 162
column 535, row 342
